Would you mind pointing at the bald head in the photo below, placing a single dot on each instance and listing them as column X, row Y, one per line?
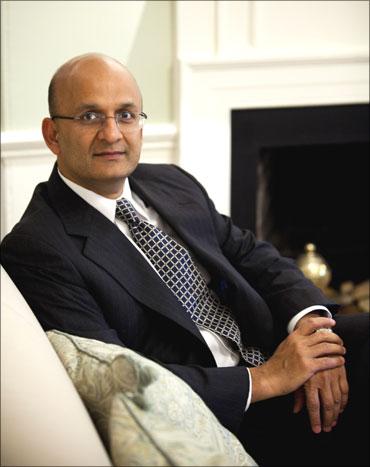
column 77, row 66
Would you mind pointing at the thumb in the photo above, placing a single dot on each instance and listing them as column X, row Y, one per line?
column 299, row 398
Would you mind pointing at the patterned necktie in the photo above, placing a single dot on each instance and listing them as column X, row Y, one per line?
column 176, row 268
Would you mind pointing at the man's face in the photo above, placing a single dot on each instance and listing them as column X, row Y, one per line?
column 98, row 159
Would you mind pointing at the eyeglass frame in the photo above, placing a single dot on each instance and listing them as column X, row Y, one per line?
column 142, row 116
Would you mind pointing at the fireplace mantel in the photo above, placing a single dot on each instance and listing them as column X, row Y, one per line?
column 210, row 90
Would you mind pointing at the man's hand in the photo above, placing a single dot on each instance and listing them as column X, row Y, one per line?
column 325, row 395
column 300, row 356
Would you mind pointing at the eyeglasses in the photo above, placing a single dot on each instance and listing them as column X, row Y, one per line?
column 126, row 121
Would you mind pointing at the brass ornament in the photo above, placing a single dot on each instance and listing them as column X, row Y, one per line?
column 314, row 267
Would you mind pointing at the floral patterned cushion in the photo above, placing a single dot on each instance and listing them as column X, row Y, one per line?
column 145, row 414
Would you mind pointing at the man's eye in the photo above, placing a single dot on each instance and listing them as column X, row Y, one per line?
column 90, row 116
column 125, row 116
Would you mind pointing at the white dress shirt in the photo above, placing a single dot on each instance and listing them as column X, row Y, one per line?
column 222, row 352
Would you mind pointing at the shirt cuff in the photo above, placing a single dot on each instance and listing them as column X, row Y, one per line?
column 320, row 308
column 250, row 391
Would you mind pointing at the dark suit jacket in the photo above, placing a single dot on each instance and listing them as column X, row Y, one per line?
column 79, row 274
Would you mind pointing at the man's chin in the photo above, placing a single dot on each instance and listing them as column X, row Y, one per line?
column 115, row 169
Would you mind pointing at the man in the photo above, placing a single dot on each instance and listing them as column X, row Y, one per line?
column 211, row 304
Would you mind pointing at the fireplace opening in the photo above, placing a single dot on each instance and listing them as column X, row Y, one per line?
column 301, row 175
column 318, row 194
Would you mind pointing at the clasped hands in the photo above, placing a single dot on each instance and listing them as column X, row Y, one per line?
column 310, row 364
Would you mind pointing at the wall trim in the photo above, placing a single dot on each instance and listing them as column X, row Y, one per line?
column 28, row 143
column 26, row 161
column 210, row 89
column 280, row 57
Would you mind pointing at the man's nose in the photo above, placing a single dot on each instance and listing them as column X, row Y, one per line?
column 109, row 130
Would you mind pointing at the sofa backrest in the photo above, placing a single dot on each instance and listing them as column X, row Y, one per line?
column 43, row 420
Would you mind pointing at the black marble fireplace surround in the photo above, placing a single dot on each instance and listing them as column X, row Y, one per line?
column 301, row 174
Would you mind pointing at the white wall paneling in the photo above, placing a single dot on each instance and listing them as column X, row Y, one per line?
column 234, row 27
column 26, row 161
column 234, row 72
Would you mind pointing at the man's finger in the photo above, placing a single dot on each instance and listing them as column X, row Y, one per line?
column 318, row 337
column 329, row 408
column 299, row 399
column 337, row 397
column 310, row 325
column 344, row 389
column 327, row 348
column 313, row 408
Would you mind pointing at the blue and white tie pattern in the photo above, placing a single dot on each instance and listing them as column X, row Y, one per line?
column 176, row 268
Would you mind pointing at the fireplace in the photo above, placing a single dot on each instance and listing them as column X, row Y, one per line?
column 301, row 175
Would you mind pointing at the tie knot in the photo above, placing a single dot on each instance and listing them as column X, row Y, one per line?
column 126, row 211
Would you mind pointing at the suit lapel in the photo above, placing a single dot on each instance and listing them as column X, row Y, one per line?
column 107, row 247
column 193, row 223
column 111, row 250
column 190, row 223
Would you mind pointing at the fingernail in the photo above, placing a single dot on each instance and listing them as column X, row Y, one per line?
column 316, row 429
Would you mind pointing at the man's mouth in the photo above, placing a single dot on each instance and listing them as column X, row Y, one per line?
column 110, row 154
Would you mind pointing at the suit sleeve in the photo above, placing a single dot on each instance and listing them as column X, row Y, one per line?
column 277, row 279
column 54, row 289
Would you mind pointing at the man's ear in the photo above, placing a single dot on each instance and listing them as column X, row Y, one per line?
column 50, row 135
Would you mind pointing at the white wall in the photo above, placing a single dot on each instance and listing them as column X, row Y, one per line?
column 195, row 61
column 38, row 36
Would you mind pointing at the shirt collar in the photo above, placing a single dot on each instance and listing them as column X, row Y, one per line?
column 105, row 206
